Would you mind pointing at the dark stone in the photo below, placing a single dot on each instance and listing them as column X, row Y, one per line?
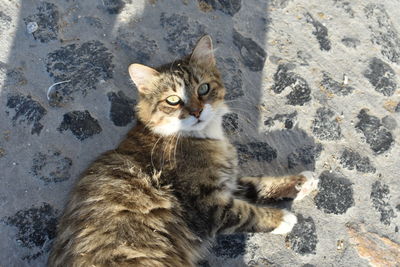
column 259, row 151
column 47, row 20
column 335, row 193
column 335, row 87
column 397, row 109
column 398, row 207
column 383, row 31
column 252, row 55
column 300, row 93
column 381, row 76
column 345, row 5
column 287, row 119
column 51, row 167
column 122, row 108
column 81, row 124
column 308, row 265
column 303, row 238
column 303, row 57
column 27, row 111
column 36, row 228
column 320, row 32
column 325, row 125
column 232, row 77
column 380, row 195
column 352, row 160
column 138, row 49
column 82, row 66
column 112, row 6
column 304, row 155
column 396, row 229
column 351, row 42
column 230, row 246
column 378, row 137
column 230, row 7
column 230, row 123
column 283, row 78
column 181, row 34
column 389, row 122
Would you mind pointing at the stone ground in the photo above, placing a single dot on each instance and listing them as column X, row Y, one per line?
column 312, row 85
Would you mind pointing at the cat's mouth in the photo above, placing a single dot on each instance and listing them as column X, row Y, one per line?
column 199, row 124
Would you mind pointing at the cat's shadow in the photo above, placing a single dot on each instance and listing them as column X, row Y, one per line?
column 162, row 31
column 275, row 153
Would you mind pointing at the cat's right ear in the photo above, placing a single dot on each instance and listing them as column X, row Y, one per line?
column 142, row 75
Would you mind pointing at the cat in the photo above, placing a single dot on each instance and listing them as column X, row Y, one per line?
column 172, row 185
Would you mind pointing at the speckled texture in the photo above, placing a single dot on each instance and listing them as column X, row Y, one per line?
column 313, row 85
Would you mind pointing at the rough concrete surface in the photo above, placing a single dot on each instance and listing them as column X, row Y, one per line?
column 313, row 85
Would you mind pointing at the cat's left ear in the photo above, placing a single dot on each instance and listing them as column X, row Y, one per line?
column 203, row 53
column 142, row 75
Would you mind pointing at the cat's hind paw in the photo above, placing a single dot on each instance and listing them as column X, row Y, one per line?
column 306, row 188
column 288, row 221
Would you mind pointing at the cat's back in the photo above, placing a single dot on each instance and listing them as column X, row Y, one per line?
column 118, row 215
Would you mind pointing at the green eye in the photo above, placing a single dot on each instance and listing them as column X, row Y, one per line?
column 203, row 89
column 173, row 100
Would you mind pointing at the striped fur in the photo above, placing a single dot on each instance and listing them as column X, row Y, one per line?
column 157, row 200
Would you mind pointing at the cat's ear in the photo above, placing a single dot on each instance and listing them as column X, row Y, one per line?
column 203, row 53
column 142, row 75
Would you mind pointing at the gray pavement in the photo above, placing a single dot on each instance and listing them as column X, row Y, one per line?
column 313, row 85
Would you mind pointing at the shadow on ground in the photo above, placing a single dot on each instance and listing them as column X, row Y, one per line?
column 83, row 49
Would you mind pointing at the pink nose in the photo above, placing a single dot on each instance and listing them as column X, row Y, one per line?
column 196, row 113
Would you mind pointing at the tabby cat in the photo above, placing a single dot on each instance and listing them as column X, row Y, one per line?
column 160, row 197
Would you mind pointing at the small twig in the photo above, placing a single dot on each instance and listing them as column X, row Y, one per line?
column 51, row 87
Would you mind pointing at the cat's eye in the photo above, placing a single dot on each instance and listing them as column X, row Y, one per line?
column 203, row 89
column 173, row 100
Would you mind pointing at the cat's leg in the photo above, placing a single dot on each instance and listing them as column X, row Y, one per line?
column 259, row 189
column 240, row 216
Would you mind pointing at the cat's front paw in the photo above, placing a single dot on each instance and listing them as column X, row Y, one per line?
column 308, row 186
column 288, row 221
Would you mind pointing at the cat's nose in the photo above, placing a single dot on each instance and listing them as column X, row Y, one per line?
column 196, row 113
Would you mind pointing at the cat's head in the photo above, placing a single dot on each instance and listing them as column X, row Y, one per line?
column 185, row 97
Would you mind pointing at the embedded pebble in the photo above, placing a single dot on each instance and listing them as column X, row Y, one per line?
column 51, row 166
column 326, row 126
column 83, row 65
column 352, row 160
column 26, row 111
column 335, row 193
column 81, row 124
column 31, row 27
column 303, row 238
column 377, row 137
column 380, row 195
column 122, row 110
column 381, row 76
column 44, row 25
column 259, row 151
column 36, row 227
